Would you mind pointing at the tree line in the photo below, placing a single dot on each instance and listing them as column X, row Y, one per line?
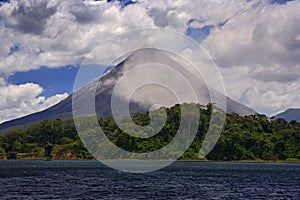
column 254, row 137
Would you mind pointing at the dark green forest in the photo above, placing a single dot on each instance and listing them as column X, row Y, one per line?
column 253, row 137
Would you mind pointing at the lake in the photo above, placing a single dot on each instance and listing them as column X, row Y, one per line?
column 181, row 180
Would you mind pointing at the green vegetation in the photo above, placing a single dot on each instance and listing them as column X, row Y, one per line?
column 30, row 142
column 252, row 137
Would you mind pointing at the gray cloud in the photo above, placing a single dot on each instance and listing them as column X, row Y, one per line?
column 159, row 16
column 260, row 38
column 30, row 18
column 275, row 76
column 166, row 18
column 85, row 13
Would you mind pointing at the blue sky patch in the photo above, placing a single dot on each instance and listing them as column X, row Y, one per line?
column 4, row 1
column 279, row 1
column 53, row 80
column 124, row 3
column 13, row 49
column 88, row 73
column 195, row 20
column 221, row 24
column 199, row 34
column 58, row 80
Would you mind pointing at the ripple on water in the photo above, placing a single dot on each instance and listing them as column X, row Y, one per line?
column 181, row 180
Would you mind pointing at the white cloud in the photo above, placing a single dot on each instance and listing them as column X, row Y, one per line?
column 20, row 100
column 64, row 33
column 260, row 56
column 2, row 81
column 258, row 47
column 56, row 32
column 261, row 36
column 265, row 97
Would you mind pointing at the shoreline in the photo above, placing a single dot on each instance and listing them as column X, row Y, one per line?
column 204, row 161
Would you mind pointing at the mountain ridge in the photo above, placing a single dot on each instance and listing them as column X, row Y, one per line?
column 104, row 86
column 290, row 114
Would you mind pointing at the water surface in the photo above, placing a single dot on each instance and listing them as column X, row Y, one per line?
column 182, row 180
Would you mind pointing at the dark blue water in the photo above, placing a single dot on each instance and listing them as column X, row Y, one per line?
column 181, row 180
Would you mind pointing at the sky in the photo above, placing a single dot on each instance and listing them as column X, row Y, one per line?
column 255, row 44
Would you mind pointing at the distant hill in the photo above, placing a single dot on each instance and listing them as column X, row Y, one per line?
column 290, row 114
column 105, row 86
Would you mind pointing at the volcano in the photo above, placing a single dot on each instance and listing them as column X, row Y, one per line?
column 129, row 72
